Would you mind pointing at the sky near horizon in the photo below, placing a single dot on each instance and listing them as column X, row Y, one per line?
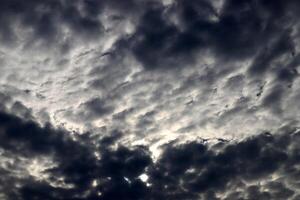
column 149, row 99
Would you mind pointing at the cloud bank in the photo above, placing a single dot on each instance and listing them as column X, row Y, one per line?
column 153, row 99
column 47, row 163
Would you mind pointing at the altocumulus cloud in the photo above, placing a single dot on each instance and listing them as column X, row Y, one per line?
column 154, row 99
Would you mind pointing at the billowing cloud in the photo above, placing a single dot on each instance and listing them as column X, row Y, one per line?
column 154, row 99
column 46, row 163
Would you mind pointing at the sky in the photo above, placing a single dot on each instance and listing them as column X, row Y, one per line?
column 149, row 99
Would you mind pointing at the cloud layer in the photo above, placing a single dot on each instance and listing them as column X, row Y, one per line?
column 154, row 69
column 46, row 163
column 154, row 99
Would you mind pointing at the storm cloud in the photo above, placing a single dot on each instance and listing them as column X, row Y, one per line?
column 154, row 99
column 84, row 167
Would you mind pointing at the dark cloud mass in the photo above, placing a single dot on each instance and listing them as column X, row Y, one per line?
column 240, row 30
column 149, row 99
column 261, row 167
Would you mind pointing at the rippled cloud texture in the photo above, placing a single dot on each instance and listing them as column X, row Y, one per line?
column 149, row 99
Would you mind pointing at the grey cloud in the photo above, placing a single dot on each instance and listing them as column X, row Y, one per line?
column 280, row 46
column 149, row 72
column 240, row 30
column 96, row 107
column 182, row 170
column 190, row 60
column 46, row 19
column 19, row 109
column 259, row 167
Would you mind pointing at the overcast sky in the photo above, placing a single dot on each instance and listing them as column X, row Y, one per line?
column 149, row 99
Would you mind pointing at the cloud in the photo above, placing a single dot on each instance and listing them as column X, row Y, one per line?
column 97, row 94
column 172, row 37
column 200, row 66
column 262, row 166
column 95, row 108
column 46, row 20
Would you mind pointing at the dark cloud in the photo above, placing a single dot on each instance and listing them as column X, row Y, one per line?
column 58, row 21
column 47, row 21
column 4, row 99
column 186, row 171
column 280, row 46
column 19, row 109
column 261, row 167
column 95, row 108
column 248, row 83
column 24, row 137
column 274, row 99
column 158, row 43
column 146, row 120
column 238, row 30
